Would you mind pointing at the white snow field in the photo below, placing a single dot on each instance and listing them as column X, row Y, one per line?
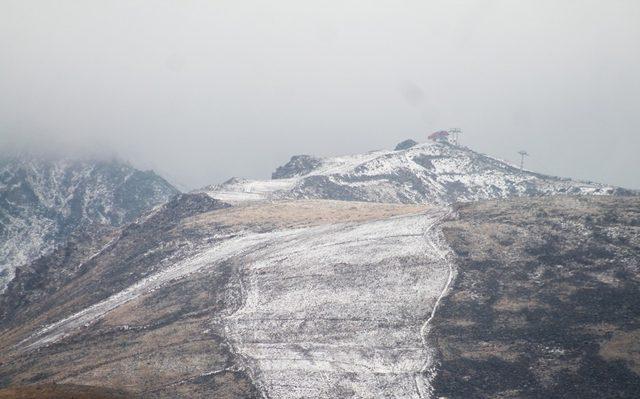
column 340, row 311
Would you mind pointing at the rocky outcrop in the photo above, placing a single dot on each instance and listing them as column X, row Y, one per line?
column 406, row 144
column 298, row 165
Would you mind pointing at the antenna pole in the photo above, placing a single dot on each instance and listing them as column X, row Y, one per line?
column 523, row 154
column 455, row 132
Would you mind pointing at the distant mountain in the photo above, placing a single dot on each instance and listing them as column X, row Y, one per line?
column 44, row 200
column 437, row 173
column 273, row 289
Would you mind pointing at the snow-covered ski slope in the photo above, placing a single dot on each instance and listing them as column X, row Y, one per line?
column 438, row 173
column 340, row 311
column 326, row 311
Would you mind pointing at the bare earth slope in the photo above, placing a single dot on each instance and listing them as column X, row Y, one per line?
column 546, row 303
column 66, row 391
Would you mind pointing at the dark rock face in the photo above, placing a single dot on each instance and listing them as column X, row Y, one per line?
column 38, row 280
column 186, row 205
column 298, row 165
column 545, row 304
column 405, row 145
column 43, row 201
column 324, row 187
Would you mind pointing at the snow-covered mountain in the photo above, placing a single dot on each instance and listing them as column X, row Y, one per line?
column 338, row 299
column 439, row 173
column 284, row 291
column 43, row 200
column 288, row 293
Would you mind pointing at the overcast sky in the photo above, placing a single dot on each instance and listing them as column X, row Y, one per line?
column 205, row 90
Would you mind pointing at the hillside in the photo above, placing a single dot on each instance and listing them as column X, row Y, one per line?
column 238, row 302
column 43, row 201
column 318, row 298
column 55, row 391
column 545, row 303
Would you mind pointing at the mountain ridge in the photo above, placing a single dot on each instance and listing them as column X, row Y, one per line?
column 43, row 200
column 434, row 172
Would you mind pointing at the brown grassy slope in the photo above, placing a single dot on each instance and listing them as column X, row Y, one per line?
column 545, row 304
column 55, row 391
column 300, row 213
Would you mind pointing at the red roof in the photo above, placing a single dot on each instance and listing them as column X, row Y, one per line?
column 438, row 135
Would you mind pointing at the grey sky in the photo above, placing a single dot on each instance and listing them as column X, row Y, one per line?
column 205, row 90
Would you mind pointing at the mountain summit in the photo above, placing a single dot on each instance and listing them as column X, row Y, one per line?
column 434, row 172
column 308, row 298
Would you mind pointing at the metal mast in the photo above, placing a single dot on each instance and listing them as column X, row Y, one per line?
column 523, row 154
column 455, row 132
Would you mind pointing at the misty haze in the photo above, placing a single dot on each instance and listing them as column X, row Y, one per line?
column 354, row 199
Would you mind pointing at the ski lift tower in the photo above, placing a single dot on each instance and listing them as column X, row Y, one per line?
column 523, row 154
column 455, row 133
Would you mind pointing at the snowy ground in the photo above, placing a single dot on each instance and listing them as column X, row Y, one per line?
column 340, row 311
column 335, row 310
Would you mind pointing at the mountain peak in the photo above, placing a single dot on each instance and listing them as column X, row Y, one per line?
column 438, row 173
column 406, row 144
column 298, row 165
